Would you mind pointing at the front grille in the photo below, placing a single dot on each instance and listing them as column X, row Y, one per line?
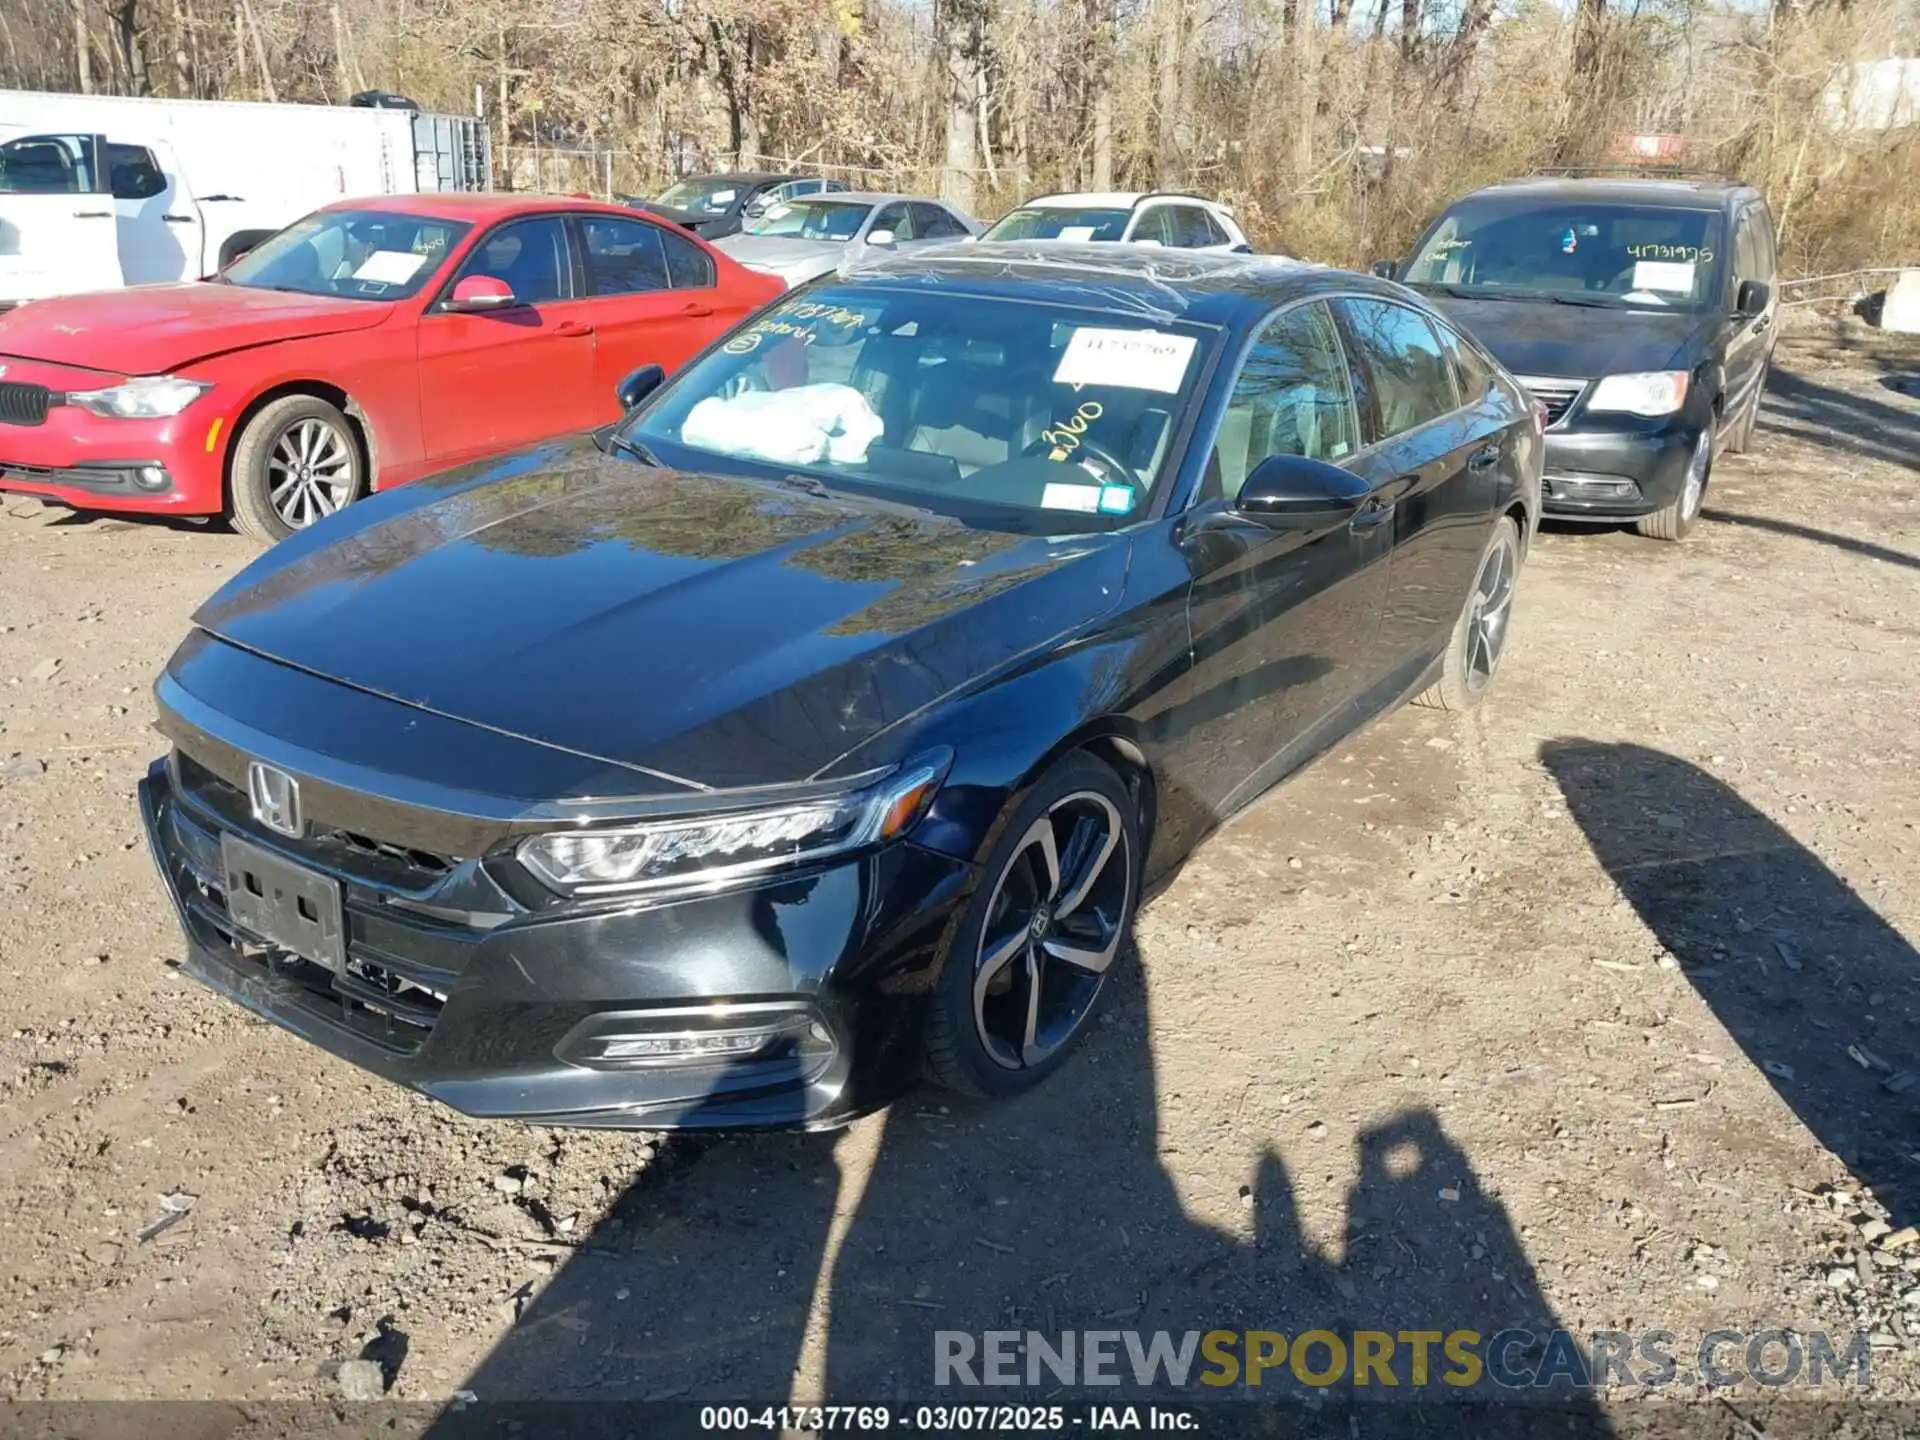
column 1556, row 395
column 24, row 404
column 401, row 963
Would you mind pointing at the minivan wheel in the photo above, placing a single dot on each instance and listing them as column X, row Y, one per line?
column 1480, row 634
column 1676, row 519
column 297, row 461
column 1030, row 959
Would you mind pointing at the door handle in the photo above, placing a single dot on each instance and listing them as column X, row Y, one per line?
column 93, row 214
column 1485, row 458
column 1372, row 514
column 178, row 219
column 696, row 309
column 572, row 329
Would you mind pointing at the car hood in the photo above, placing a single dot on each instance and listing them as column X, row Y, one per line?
column 1542, row 338
column 151, row 329
column 764, row 252
column 715, row 631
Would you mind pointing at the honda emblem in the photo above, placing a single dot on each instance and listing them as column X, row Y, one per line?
column 276, row 799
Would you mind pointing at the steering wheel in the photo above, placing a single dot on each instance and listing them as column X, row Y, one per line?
column 1112, row 470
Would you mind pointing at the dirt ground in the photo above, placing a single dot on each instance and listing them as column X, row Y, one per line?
column 1594, row 1009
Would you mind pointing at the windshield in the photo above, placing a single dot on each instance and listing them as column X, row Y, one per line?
column 708, row 196
column 1608, row 254
column 354, row 254
column 1059, row 222
column 810, row 220
column 1012, row 414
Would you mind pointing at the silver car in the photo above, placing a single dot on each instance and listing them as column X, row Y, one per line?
column 799, row 239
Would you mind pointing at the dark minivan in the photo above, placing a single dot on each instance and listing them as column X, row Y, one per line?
column 1638, row 311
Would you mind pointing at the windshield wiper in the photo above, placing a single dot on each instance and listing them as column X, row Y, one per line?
column 807, row 483
column 617, row 441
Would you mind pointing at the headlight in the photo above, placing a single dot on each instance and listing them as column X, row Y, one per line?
column 715, row 849
column 145, row 397
column 1653, row 393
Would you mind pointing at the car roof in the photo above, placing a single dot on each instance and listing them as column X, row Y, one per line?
column 476, row 206
column 1114, row 199
column 866, row 197
column 1696, row 194
column 1206, row 286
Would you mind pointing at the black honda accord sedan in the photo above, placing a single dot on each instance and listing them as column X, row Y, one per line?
column 820, row 726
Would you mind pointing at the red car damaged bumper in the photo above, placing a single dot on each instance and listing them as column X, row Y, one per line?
column 65, row 454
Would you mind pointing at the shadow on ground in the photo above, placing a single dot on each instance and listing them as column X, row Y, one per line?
column 1819, row 991
column 745, row 1260
column 1839, row 419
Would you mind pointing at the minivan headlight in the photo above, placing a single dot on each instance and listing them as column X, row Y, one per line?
column 1651, row 393
column 701, row 850
column 145, row 397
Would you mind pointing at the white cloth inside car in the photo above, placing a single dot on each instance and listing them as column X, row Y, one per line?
column 799, row 426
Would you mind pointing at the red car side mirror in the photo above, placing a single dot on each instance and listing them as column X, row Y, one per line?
column 477, row 294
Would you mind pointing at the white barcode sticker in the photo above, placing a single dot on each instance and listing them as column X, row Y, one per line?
column 390, row 267
column 1673, row 277
column 1125, row 359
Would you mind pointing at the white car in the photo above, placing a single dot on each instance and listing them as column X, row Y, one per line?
column 1178, row 222
column 797, row 240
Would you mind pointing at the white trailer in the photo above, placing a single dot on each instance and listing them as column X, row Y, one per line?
column 99, row 191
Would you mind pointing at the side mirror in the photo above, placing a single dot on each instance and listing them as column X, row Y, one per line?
column 1291, row 492
column 1753, row 297
column 1383, row 268
column 880, row 237
column 969, row 239
column 638, row 385
column 478, row 294
column 1242, row 249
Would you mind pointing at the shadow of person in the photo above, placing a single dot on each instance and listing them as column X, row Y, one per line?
column 1792, row 961
column 754, row 1269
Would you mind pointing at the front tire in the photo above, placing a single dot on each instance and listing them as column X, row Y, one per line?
column 1480, row 634
column 1675, row 520
column 1030, row 959
column 297, row 461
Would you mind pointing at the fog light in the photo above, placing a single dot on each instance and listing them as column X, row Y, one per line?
column 150, row 477
column 754, row 1034
column 670, row 1049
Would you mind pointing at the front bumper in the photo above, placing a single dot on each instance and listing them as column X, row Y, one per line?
column 167, row 466
column 452, row 986
column 1616, row 473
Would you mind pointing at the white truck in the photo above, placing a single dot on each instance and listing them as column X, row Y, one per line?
column 99, row 191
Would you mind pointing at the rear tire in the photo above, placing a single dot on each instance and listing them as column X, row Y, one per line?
column 1480, row 634
column 1032, row 956
column 1675, row 520
column 297, row 460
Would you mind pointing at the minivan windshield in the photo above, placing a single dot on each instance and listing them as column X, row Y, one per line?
column 352, row 254
column 1597, row 252
column 1007, row 412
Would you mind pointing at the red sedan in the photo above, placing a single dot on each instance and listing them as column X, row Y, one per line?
column 369, row 344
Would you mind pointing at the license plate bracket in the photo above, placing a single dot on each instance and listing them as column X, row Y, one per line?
column 284, row 904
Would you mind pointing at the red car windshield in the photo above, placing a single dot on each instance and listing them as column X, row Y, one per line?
column 353, row 254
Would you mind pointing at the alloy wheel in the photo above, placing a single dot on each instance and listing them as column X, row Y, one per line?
column 1054, row 925
column 1491, row 606
column 309, row 472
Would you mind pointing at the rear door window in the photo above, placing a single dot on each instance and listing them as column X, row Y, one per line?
column 1157, row 225
column 1412, row 378
column 623, row 257
column 688, row 266
column 133, row 174
column 1474, row 374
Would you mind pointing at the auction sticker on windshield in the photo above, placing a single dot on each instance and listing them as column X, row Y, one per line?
column 1675, row 277
column 390, row 267
column 1125, row 359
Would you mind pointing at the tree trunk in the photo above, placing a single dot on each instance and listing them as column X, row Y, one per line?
column 1307, row 100
column 1099, row 19
column 82, row 48
column 342, row 67
column 260, row 51
column 1176, row 124
column 185, row 82
column 1588, row 21
column 961, row 53
column 132, row 46
column 1409, row 29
